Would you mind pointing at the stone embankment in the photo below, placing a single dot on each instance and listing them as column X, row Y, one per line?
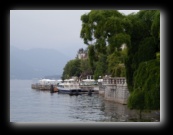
column 114, row 89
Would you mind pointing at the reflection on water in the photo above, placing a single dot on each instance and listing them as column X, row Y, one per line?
column 95, row 108
column 122, row 113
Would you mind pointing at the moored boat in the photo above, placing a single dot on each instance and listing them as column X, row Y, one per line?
column 89, row 86
column 69, row 86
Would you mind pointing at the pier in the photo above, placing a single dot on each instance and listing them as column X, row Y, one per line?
column 45, row 84
column 42, row 86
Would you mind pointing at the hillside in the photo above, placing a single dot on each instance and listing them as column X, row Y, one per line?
column 36, row 63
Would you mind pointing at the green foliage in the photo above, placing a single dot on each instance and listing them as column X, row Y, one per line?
column 127, row 25
column 147, row 17
column 116, row 41
column 120, row 70
column 85, row 18
column 101, row 67
column 147, row 50
column 104, row 31
column 143, row 45
column 155, row 28
column 72, row 68
column 113, row 25
column 124, row 54
column 85, row 67
column 136, row 100
column 152, row 85
column 92, row 56
column 77, row 67
column 147, row 82
column 158, row 55
column 113, row 60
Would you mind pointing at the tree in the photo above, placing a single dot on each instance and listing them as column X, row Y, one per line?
column 85, row 68
column 146, row 94
column 104, row 31
column 72, row 68
column 155, row 29
column 101, row 67
column 143, row 46
column 113, row 61
column 142, row 65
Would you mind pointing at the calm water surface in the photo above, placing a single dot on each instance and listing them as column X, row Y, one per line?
column 30, row 105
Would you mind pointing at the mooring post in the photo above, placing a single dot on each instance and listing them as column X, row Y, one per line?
column 90, row 92
column 51, row 89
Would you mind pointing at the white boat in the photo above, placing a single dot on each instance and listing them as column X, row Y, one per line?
column 69, row 86
column 88, row 82
column 89, row 86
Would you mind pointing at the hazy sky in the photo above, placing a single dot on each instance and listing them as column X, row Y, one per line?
column 53, row 29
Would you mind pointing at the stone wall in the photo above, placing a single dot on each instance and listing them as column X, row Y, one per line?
column 115, row 89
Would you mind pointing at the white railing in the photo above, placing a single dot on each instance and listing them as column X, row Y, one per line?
column 114, row 81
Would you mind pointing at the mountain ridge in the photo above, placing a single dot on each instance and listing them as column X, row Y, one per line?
column 36, row 63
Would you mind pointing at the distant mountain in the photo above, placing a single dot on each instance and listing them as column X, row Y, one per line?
column 36, row 63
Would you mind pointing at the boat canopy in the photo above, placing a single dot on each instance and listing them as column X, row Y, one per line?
column 88, row 82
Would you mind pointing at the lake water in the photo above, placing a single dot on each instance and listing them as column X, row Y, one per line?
column 30, row 105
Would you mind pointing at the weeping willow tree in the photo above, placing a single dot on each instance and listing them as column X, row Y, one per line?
column 146, row 90
column 143, row 62
column 145, row 41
